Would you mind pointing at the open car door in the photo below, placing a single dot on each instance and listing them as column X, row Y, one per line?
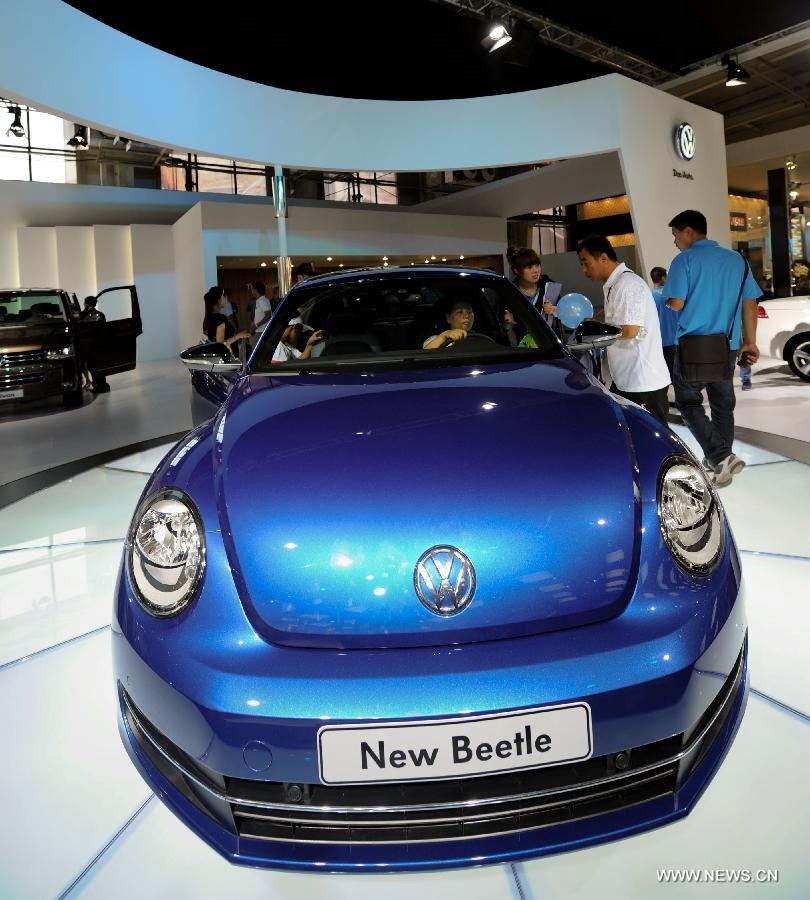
column 108, row 344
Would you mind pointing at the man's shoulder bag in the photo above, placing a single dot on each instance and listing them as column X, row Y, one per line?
column 706, row 358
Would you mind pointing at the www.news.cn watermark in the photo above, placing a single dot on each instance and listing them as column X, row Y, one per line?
column 719, row 876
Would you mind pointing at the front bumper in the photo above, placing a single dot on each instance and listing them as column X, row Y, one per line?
column 675, row 726
column 38, row 381
column 419, row 826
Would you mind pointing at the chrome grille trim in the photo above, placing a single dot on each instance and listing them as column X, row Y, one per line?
column 9, row 380
column 22, row 357
column 477, row 817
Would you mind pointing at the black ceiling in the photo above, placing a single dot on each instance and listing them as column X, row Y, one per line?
column 420, row 50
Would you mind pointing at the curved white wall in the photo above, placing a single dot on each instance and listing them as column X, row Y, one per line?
column 65, row 62
column 56, row 58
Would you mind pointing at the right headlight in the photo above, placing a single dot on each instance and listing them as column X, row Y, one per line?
column 166, row 552
column 59, row 354
column 690, row 515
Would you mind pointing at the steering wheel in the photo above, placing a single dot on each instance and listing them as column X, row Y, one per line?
column 473, row 341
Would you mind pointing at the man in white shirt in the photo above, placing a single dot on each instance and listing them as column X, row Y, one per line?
column 264, row 309
column 636, row 360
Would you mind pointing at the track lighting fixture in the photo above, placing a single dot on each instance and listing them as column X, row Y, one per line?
column 79, row 140
column 498, row 37
column 736, row 75
column 16, row 127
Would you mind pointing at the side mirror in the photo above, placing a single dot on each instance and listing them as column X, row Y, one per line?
column 213, row 357
column 592, row 335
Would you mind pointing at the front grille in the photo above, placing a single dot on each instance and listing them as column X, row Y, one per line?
column 9, row 380
column 23, row 358
column 452, row 810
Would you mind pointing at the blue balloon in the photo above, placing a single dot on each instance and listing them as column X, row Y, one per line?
column 573, row 309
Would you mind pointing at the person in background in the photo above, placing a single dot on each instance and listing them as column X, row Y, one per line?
column 533, row 284
column 229, row 310
column 715, row 292
column 637, row 359
column 303, row 271
column 93, row 380
column 90, row 313
column 215, row 324
column 77, row 313
column 263, row 311
column 667, row 318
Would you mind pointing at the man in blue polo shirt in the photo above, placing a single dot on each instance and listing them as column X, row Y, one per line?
column 704, row 283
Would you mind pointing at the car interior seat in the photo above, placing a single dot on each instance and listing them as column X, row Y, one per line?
column 45, row 309
column 348, row 334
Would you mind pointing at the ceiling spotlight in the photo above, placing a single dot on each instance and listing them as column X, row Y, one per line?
column 444, row 259
column 790, row 163
column 736, row 75
column 340, row 265
column 329, row 259
column 385, row 259
column 275, row 262
column 498, row 37
column 794, row 195
column 461, row 257
column 433, row 257
column 264, row 265
column 79, row 139
column 16, row 127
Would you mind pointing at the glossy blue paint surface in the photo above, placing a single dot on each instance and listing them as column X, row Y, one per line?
column 319, row 493
column 331, row 488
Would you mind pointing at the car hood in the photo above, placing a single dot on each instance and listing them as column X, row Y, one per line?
column 331, row 487
column 798, row 305
column 32, row 338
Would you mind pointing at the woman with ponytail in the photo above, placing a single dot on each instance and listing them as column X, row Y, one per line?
column 215, row 324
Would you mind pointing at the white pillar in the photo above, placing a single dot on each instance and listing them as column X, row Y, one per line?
column 280, row 204
column 76, row 259
column 153, row 268
column 38, row 260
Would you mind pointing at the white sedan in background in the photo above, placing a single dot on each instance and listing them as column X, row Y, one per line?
column 783, row 332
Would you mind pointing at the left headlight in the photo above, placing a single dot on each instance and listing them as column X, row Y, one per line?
column 166, row 552
column 690, row 515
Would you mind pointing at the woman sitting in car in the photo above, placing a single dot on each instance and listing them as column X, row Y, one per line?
column 460, row 319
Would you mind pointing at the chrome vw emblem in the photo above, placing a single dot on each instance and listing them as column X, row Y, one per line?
column 444, row 579
column 685, row 140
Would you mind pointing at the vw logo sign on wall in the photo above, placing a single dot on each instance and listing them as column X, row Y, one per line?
column 685, row 140
column 444, row 579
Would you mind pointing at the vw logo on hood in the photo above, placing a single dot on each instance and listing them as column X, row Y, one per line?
column 444, row 579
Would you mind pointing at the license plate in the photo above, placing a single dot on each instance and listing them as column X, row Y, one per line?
column 439, row 749
column 11, row 395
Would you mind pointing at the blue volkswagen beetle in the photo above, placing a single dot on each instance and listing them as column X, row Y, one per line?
column 418, row 592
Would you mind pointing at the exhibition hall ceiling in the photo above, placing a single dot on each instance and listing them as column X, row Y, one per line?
column 753, row 178
column 423, row 50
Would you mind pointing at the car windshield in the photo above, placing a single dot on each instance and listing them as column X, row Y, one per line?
column 41, row 308
column 381, row 320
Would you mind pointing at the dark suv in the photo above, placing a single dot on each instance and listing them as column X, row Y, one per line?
column 43, row 345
